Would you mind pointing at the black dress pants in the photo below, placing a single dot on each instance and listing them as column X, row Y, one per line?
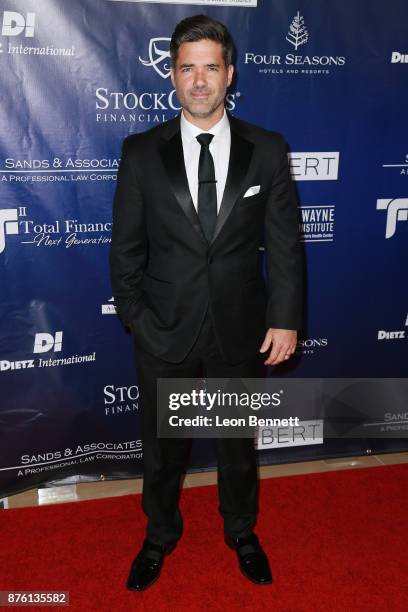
column 165, row 459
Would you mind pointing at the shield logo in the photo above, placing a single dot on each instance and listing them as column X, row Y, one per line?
column 157, row 57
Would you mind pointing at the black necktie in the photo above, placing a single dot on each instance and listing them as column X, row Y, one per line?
column 207, row 190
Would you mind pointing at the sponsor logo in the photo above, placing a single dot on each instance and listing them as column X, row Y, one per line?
column 399, row 58
column 314, row 166
column 46, row 342
column 317, row 223
column 17, row 24
column 120, row 400
column 402, row 168
column 159, row 58
column 294, row 63
column 308, row 346
column 16, row 365
column 396, row 416
column 400, row 334
column 126, row 450
column 6, row 365
column 297, row 35
column 8, row 225
column 307, row 432
column 392, row 422
column 109, row 308
column 390, row 335
column 65, row 233
column 397, row 210
column 57, row 170
column 143, row 107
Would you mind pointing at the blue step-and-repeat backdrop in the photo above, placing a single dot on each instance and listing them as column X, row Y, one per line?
column 78, row 76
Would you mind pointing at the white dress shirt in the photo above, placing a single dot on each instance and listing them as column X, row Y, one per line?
column 219, row 148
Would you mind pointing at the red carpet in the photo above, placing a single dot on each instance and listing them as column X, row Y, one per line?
column 336, row 541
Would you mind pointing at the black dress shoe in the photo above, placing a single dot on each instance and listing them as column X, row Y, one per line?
column 147, row 565
column 253, row 562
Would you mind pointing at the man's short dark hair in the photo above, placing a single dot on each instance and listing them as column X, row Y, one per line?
column 201, row 27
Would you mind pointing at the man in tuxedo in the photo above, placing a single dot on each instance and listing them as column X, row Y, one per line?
column 196, row 198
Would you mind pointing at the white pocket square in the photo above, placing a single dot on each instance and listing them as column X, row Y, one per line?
column 252, row 191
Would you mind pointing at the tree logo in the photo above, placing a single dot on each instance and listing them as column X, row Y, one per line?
column 297, row 34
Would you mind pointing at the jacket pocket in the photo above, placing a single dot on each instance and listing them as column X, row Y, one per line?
column 252, row 200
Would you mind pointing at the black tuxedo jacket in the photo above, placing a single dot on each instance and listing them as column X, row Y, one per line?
column 164, row 273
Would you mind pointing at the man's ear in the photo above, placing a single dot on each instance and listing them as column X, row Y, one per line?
column 172, row 76
column 230, row 74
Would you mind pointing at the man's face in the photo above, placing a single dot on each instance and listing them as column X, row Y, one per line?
column 201, row 78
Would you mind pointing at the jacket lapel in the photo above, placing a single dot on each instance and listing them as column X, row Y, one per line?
column 239, row 160
column 172, row 156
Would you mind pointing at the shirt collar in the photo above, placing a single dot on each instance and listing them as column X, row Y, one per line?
column 191, row 131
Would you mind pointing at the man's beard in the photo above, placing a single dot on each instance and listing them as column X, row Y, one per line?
column 189, row 105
